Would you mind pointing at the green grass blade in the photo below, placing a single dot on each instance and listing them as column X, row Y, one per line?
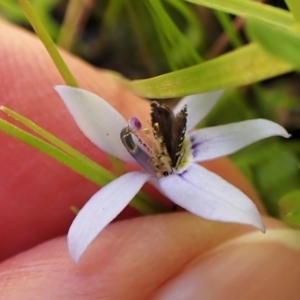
column 178, row 50
column 282, row 43
column 57, row 142
column 75, row 15
column 247, row 8
column 243, row 66
column 48, row 43
column 226, row 23
column 54, row 152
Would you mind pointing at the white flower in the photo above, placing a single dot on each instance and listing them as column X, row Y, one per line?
column 189, row 185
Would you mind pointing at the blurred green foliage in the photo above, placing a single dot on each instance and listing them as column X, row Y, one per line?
column 11, row 10
column 289, row 206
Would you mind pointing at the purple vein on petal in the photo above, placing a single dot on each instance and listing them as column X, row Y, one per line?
column 209, row 196
column 214, row 142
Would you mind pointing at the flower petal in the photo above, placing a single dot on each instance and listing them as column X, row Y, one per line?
column 209, row 196
column 213, row 142
column 98, row 120
column 198, row 106
column 101, row 209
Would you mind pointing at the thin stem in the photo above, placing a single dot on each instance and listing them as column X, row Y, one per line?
column 222, row 42
column 48, row 43
column 57, row 142
column 140, row 37
column 229, row 28
column 74, row 20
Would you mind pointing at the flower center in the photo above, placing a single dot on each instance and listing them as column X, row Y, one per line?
column 163, row 149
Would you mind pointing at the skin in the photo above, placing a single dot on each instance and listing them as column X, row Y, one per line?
column 170, row 256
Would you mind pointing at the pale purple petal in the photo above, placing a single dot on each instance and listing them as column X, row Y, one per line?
column 101, row 209
column 213, row 142
column 97, row 119
column 207, row 195
column 198, row 106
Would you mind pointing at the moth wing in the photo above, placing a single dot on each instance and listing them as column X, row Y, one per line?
column 179, row 128
column 164, row 117
column 172, row 128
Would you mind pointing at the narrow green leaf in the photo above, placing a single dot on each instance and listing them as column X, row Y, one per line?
column 227, row 25
column 57, row 142
column 248, row 8
column 194, row 31
column 294, row 7
column 282, row 43
column 245, row 65
column 179, row 52
column 289, row 207
column 73, row 22
column 54, row 152
column 48, row 43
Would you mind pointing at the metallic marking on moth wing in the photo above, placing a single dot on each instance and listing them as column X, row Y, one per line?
column 170, row 128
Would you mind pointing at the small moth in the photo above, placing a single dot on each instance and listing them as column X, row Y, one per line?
column 169, row 132
column 163, row 155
